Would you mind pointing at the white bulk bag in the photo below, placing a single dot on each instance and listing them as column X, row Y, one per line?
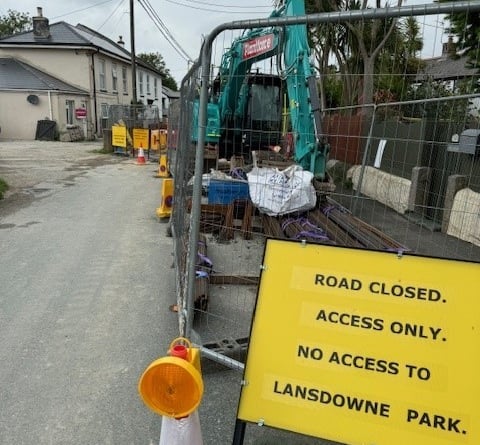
column 276, row 192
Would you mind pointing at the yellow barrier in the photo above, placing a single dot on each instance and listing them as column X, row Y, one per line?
column 165, row 209
column 163, row 166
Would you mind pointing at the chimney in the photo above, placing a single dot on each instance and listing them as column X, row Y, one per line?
column 41, row 29
column 120, row 41
column 449, row 49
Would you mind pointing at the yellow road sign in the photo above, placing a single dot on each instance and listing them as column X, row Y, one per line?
column 365, row 347
column 119, row 136
column 141, row 138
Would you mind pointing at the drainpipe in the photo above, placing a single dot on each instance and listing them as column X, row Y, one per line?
column 94, row 93
column 133, row 56
column 50, row 110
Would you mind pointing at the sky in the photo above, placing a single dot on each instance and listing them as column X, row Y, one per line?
column 188, row 21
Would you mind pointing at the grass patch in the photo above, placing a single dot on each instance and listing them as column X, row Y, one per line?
column 3, row 187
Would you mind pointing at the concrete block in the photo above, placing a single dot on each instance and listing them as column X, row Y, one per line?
column 454, row 184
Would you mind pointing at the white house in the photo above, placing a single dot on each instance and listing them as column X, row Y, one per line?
column 87, row 74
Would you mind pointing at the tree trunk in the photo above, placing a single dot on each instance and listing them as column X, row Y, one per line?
column 368, row 73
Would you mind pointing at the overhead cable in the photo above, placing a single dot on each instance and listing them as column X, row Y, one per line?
column 110, row 16
column 213, row 10
column 80, row 10
column 229, row 6
column 164, row 30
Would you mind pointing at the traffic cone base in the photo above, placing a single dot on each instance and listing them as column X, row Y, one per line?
column 185, row 431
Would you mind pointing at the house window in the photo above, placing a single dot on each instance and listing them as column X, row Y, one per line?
column 155, row 88
column 148, row 84
column 104, row 116
column 140, row 83
column 124, row 80
column 69, row 110
column 101, row 75
column 104, row 110
column 114, row 78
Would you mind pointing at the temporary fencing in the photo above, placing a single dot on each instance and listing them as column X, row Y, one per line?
column 398, row 177
column 405, row 144
column 181, row 154
column 133, row 116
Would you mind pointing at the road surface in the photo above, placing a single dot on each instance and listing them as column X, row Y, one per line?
column 86, row 283
column 86, row 279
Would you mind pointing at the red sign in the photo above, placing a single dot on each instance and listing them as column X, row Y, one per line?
column 257, row 46
column 80, row 113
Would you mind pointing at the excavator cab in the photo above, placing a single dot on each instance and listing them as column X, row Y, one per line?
column 257, row 121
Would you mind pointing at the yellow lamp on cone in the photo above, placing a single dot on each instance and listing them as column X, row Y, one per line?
column 172, row 386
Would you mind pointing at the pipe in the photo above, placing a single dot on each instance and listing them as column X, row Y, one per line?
column 222, row 359
column 94, row 88
column 50, row 110
column 133, row 56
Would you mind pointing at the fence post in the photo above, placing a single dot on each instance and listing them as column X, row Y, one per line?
column 197, row 188
column 419, row 188
column 454, row 184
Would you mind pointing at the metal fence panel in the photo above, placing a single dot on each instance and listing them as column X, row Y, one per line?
column 134, row 116
column 395, row 194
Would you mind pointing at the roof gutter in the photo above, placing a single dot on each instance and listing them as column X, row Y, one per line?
column 32, row 90
column 124, row 58
column 50, row 46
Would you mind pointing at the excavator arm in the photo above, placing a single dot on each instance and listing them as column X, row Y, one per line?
column 231, row 94
column 311, row 150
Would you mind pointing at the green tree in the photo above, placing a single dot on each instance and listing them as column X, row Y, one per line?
column 14, row 22
column 413, row 39
column 332, row 41
column 398, row 63
column 452, row 110
column 466, row 27
column 359, row 47
column 376, row 59
column 370, row 38
column 155, row 60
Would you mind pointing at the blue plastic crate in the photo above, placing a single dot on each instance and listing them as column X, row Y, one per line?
column 225, row 192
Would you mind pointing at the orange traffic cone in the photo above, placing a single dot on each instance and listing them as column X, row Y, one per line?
column 141, row 156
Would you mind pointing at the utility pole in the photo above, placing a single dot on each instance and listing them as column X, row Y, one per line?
column 134, row 68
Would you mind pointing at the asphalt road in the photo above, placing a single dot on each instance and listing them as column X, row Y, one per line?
column 86, row 282
column 86, row 279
